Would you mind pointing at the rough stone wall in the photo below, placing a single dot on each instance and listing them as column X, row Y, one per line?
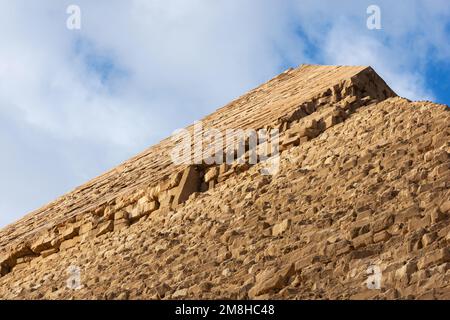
column 363, row 181
column 256, row 109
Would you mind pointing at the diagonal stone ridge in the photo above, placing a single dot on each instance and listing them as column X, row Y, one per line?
column 362, row 180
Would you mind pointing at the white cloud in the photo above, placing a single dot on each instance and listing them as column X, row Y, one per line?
column 413, row 34
column 74, row 103
column 361, row 49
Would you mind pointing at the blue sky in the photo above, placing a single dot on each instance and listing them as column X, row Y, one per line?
column 74, row 103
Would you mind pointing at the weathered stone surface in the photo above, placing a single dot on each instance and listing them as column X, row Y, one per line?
column 44, row 242
column 105, row 227
column 445, row 207
column 281, row 227
column 143, row 207
column 271, row 280
column 211, row 174
column 67, row 244
column 404, row 273
column 190, row 183
column 369, row 189
column 49, row 252
column 85, row 228
column 435, row 258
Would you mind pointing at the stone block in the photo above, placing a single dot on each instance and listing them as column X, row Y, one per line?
column 121, row 224
column 21, row 250
column 69, row 231
column 308, row 132
column 292, row 141
column 436, row 215
column 143, row 207
column 309, row 107
column 7, row 260
column 190, row 183
column 281, row 227
column 104, row 227
column 435, row 258
column 44, row 242
column 175, row 179
column 331, row 120
column 271, row 280
column 67, row 244
column 121, row 215
column 85, row 228
column 445, row 207
column 405, row 272
column 153, row 192
column 418, row 223
column 429, row 238
column 25, row 259
column 381, row 236
column 211, row 174
column 49, row 252
column 363, row 240
column 383, row 223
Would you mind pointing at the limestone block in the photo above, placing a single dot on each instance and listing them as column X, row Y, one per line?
column 304, row 140
column 21, row 250
column 381, row 236
column 109, row 213
column 121, row 215
column 49, row 252
column 143, row 207
column 445, row 207
column 224, row 167
column 122, row 202
column 383, row 223
column 4, row 270
column 69, row 243
column 180, row 293
column 309, row 107
column 271, row 280
column 308, row 132
column 7, row 261
column 429, row 238
column 85, row 228
column 434, row 258
column 190, row 183
column 224, row 176
column 418, row 223
column 25, row 259
column 363, row 240
column 281, row 227
column 293, row 141
column 153, row 192
column 69, row 231
column 406, row 271
column 211, row 173
column 105, row 227
column 44, row 242
column 121, row 224
column 166, row 197
column 100, row 211
column 175, row 179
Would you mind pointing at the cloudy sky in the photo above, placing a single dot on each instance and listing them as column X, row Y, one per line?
column 74, row 103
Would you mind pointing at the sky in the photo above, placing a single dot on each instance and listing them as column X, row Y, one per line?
column 77, row 102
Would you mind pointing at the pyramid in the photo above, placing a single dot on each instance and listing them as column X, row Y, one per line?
column 358, row 208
